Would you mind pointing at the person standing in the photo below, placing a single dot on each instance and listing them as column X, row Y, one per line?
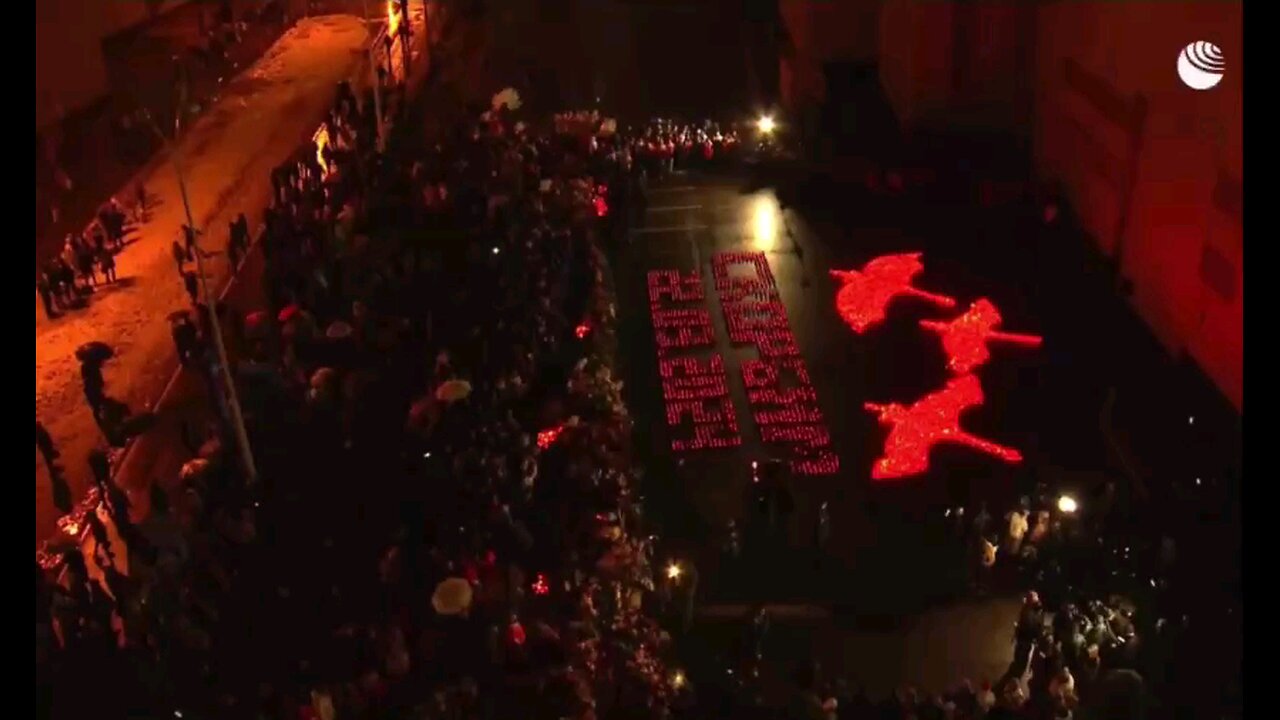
column 100, row 467
column 94, row 386
column 44, row 443
column 139, row 203
column 189, row 236
column 192, row 284
column 179, row 257
column 822, row 532
column 45, row 288
column 107, row 261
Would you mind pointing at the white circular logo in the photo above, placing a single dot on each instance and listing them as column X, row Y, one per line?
column 1200, row 65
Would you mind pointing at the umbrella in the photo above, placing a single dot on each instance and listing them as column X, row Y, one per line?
column 339, row 330
column 210, row 449
column 508, row 97
column 424, row 412
column 322, row 378
column 452, row 596
column 453, row 391
column 289, row 313
column 193, row 469
column 255, row 323
column 95, row 351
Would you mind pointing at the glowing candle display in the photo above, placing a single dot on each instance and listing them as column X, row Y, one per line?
column 786, row 412
column 864, row 295
column 694, row 390
column 965, row 338
column 935, row 418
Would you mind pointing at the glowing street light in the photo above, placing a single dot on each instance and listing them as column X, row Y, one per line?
column 766, row 124
column 678, row 679
column 1068, row 505
column 674, row 571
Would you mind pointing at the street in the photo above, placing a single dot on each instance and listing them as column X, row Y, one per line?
column 261, row 118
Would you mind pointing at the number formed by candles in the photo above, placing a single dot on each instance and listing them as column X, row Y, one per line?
column 679, row 328
column 786, row 412
column 675, row 286
column 864, row 295
column 935, row 418
column 695, row 390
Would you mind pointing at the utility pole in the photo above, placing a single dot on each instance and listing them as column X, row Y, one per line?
column 211, row 303
column 377, row 81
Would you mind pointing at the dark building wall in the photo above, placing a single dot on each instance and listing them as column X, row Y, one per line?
column 70, row 71
column 1153, row 168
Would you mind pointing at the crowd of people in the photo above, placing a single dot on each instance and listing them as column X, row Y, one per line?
column 443, row 520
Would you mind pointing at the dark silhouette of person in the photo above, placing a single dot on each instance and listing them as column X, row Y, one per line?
column 100, row 466
column 45, row 287
column 192, row 283
column 179, row 257
column 186, row 340
column 44, row 443
column 94, row 385
column 107, row 260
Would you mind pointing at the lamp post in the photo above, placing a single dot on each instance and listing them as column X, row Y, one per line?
column 211, row 303
column 377, row 82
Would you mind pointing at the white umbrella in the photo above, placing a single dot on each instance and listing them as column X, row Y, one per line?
column 508, row 97
column 339, row 330
column 452, row 596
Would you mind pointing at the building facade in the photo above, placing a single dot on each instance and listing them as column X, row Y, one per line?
column 1152, row 167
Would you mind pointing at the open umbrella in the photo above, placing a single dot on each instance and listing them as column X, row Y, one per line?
column 424, row 412
column 452, row 596
column 193, row 469
column 322, row 378
column 255, row 324
column 290, row 312
column 453, row 391
column 95, row 351
column 508, row 97
column 339, row 330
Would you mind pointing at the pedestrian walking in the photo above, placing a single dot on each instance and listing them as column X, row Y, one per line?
column 192, row 283
column 107, row 261
column 139, row 203
column 100, row 467
column 86, row 265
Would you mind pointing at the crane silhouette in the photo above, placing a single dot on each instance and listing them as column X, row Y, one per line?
column 933, row 419
column 865, row 294
column 965, row 338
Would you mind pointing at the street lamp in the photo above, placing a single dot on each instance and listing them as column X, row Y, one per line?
column 766, row 124
column 377, row 83
column 211, row 303
column 674, row 571
column 1067, row 505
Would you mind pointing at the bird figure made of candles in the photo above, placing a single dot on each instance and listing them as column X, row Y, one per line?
column 965, row 338
column 933, row 419
column 865, row 294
